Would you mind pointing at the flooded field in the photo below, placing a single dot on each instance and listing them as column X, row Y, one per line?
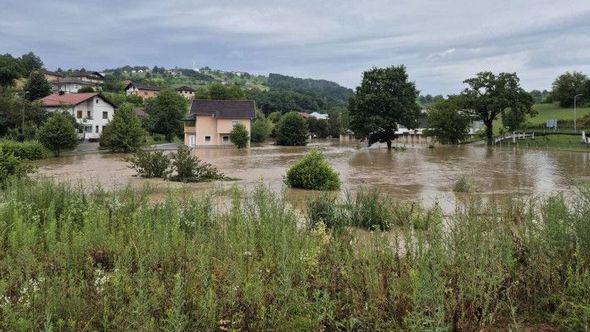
column 418, row 173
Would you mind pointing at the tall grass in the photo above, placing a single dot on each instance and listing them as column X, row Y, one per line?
column 73, row 260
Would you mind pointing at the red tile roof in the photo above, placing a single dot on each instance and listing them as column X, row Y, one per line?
column 67, row 98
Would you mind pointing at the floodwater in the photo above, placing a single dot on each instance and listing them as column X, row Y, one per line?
column 417, row 173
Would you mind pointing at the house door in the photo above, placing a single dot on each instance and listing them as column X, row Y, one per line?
column 192, row 140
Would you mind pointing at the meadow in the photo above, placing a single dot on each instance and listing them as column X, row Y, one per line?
column 71, row 259
column 554, row 111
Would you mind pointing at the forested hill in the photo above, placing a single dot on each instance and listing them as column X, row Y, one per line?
column 272, row 93
column 323, row 88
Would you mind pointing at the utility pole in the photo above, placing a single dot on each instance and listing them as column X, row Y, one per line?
column 575, row 117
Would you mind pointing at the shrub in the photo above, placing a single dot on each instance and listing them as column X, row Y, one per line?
column 58, row 133
column 31, row 150
column 154, row 164
column 124, row 133
column 463, row 185
column 11, row 166
column 260, row 129
column 369, row 211
column 239, row 136
column 313, row 172
column 190, row 168
column 291, row 130
column 325, row 210
column 85, row 89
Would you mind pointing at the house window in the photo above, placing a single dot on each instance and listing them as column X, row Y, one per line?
column 207, row 138
column 79, row 114
column 89, row 129
column 97, row 129
column 225, row 139
column 89, row 114
column 97, row 100
column 105, row 115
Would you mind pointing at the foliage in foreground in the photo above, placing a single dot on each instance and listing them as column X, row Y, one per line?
column 75, row 260
column 313, row 172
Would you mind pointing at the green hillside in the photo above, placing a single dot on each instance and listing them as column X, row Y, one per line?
column 554, row 111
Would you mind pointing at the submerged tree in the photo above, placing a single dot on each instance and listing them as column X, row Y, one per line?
column 124, row 133
column 239, row 136
column 384, row 100
column 447, row 122
column 489, row 95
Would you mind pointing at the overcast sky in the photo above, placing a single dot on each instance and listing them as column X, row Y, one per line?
column 441, row 42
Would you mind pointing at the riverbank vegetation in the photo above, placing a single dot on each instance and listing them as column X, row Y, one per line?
column 73, row 259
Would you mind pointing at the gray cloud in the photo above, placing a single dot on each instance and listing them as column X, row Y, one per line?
column 441, row 42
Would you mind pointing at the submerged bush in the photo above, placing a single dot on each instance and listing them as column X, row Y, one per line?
column 31, row 150
column 463, row 185
column 74, row 260
column 239, row 136
column 189, row 168
column 313, row 172
column 150, row 164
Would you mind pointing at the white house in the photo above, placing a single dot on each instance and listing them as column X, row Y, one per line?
column 91, row 110
column 70, row 84
column 319, row 116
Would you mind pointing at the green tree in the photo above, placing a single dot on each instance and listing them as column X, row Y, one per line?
column 317, row 127
column 124, row 133
column 219, row 91
column 447, row 122
column 10, row 69
column 275, row 117
column 568, row 85
column 291, row 130
column 113, row 84
column 19, row 117
column 37, row 86
column 30, row 62
column 85, row 89
column 239, row 136
column 384, row 100
column 58, row 133
column 260, row 129
column 489, row 95
column 166, row 113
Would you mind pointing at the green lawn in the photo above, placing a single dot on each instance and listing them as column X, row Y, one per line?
column 554, row 111
column 562, row 142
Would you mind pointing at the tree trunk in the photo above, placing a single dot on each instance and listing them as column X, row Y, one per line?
column 388, row 145
column 490, row 133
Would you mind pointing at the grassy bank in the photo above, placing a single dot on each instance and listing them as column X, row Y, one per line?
column 71, row 260
column 561, row 142
column 554, row 111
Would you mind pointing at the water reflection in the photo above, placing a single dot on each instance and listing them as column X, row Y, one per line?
column 418, row 173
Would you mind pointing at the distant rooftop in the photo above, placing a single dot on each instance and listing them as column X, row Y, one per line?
column 234, row 109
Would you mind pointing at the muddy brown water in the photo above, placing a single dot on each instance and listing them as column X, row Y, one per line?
column 415, row 174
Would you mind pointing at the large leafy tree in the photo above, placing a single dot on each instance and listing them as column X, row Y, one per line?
column 384, row 100
column 166, row 113
column 58, row 133
column 37, row 86
column 291, row 130
column 10, row 69
column 488, row 96
column 447, row 122
column 219, row 91
column 124, row 133
column 568, row 85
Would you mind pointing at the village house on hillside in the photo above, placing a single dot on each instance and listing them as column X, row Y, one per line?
column 70, row 85
column 51, row 76
column 91, row 110
column 146, row 91
column 211, row 121
column 186, row 91
column 89, row 76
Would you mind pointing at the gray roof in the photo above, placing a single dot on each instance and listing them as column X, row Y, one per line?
column 142, row 86
column 229, row 109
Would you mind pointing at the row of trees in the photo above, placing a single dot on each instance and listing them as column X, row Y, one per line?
column 386, row 99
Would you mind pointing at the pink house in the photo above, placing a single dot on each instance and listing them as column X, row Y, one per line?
column 210, row 121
